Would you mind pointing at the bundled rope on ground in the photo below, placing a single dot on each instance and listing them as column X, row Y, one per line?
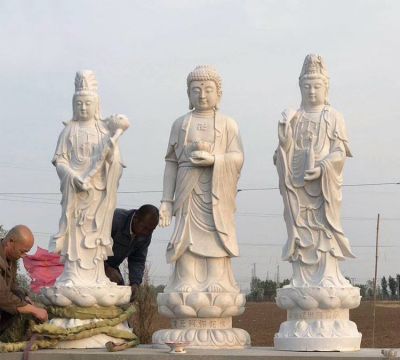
column 47, row 335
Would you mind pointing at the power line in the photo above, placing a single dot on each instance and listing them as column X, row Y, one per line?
column 29, row 201
column 239, row 190
column 240, row 214
column 374, row 184
column 30, row 193
column 32, row 197
column 258, row 189
column 58, row 193
column 274, row 215
column 345, row 185
column 156, row 240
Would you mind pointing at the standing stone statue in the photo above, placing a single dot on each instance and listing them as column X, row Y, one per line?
column 313, row 147
column 203, row 163
column 89, row 166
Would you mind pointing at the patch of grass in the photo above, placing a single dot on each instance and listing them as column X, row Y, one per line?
column 146, row 306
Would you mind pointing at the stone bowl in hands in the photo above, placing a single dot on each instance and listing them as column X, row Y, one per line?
column 201, row 146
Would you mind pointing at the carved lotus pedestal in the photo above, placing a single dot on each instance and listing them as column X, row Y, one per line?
column 318, row 319
column 64, row 296
column 202, row 319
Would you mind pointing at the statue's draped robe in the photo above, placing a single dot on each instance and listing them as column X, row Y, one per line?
column 205, row 197
column 312, row 208
column 84, row 237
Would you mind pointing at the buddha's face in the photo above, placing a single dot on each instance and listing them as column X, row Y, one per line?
column 85, row 107
column 313, row 92
column 203, row 95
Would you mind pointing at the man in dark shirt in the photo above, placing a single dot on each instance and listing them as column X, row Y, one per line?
column 131, row 232
column 13, row 301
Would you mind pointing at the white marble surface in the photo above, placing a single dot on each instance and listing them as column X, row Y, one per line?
column 88, row 163
column 313, row 146
column 203, row 163
column 145, row 352
column 200, row 304
column 86, row 296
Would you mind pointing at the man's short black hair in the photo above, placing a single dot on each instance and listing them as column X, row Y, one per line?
column 147, row 212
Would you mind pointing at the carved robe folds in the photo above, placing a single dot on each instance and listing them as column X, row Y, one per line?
column 193, row 209
column 84, row 237
column 202, row 295
column 312, row 208
column 319, row 297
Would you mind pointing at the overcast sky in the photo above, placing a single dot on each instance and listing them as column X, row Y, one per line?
column 142, row 52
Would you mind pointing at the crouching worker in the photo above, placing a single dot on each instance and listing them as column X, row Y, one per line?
column 131, row 232
column 16, row 309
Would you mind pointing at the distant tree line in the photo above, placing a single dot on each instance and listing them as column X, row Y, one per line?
column 386, row 289
column 3, row 232
column 264, row 290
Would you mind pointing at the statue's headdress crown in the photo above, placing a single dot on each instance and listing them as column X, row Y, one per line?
column 314, row 66
column 85, row 83
column 203, row 73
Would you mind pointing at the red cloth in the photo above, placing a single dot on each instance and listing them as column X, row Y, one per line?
column 43, row 268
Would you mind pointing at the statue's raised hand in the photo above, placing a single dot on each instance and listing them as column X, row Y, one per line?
column 165, row 214
column 285, row 133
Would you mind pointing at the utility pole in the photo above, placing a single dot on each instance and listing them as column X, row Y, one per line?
column 376, row 274
column 253, row 271
column 277, row 276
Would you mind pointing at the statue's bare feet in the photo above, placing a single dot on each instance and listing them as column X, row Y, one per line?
column 184, row 288
column 215, row 287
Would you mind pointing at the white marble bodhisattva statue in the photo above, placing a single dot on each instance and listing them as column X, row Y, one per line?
column 313, row 147
column 203, row 163
column 89, row 166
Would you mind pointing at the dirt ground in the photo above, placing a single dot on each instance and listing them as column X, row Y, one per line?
column 262, row 321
